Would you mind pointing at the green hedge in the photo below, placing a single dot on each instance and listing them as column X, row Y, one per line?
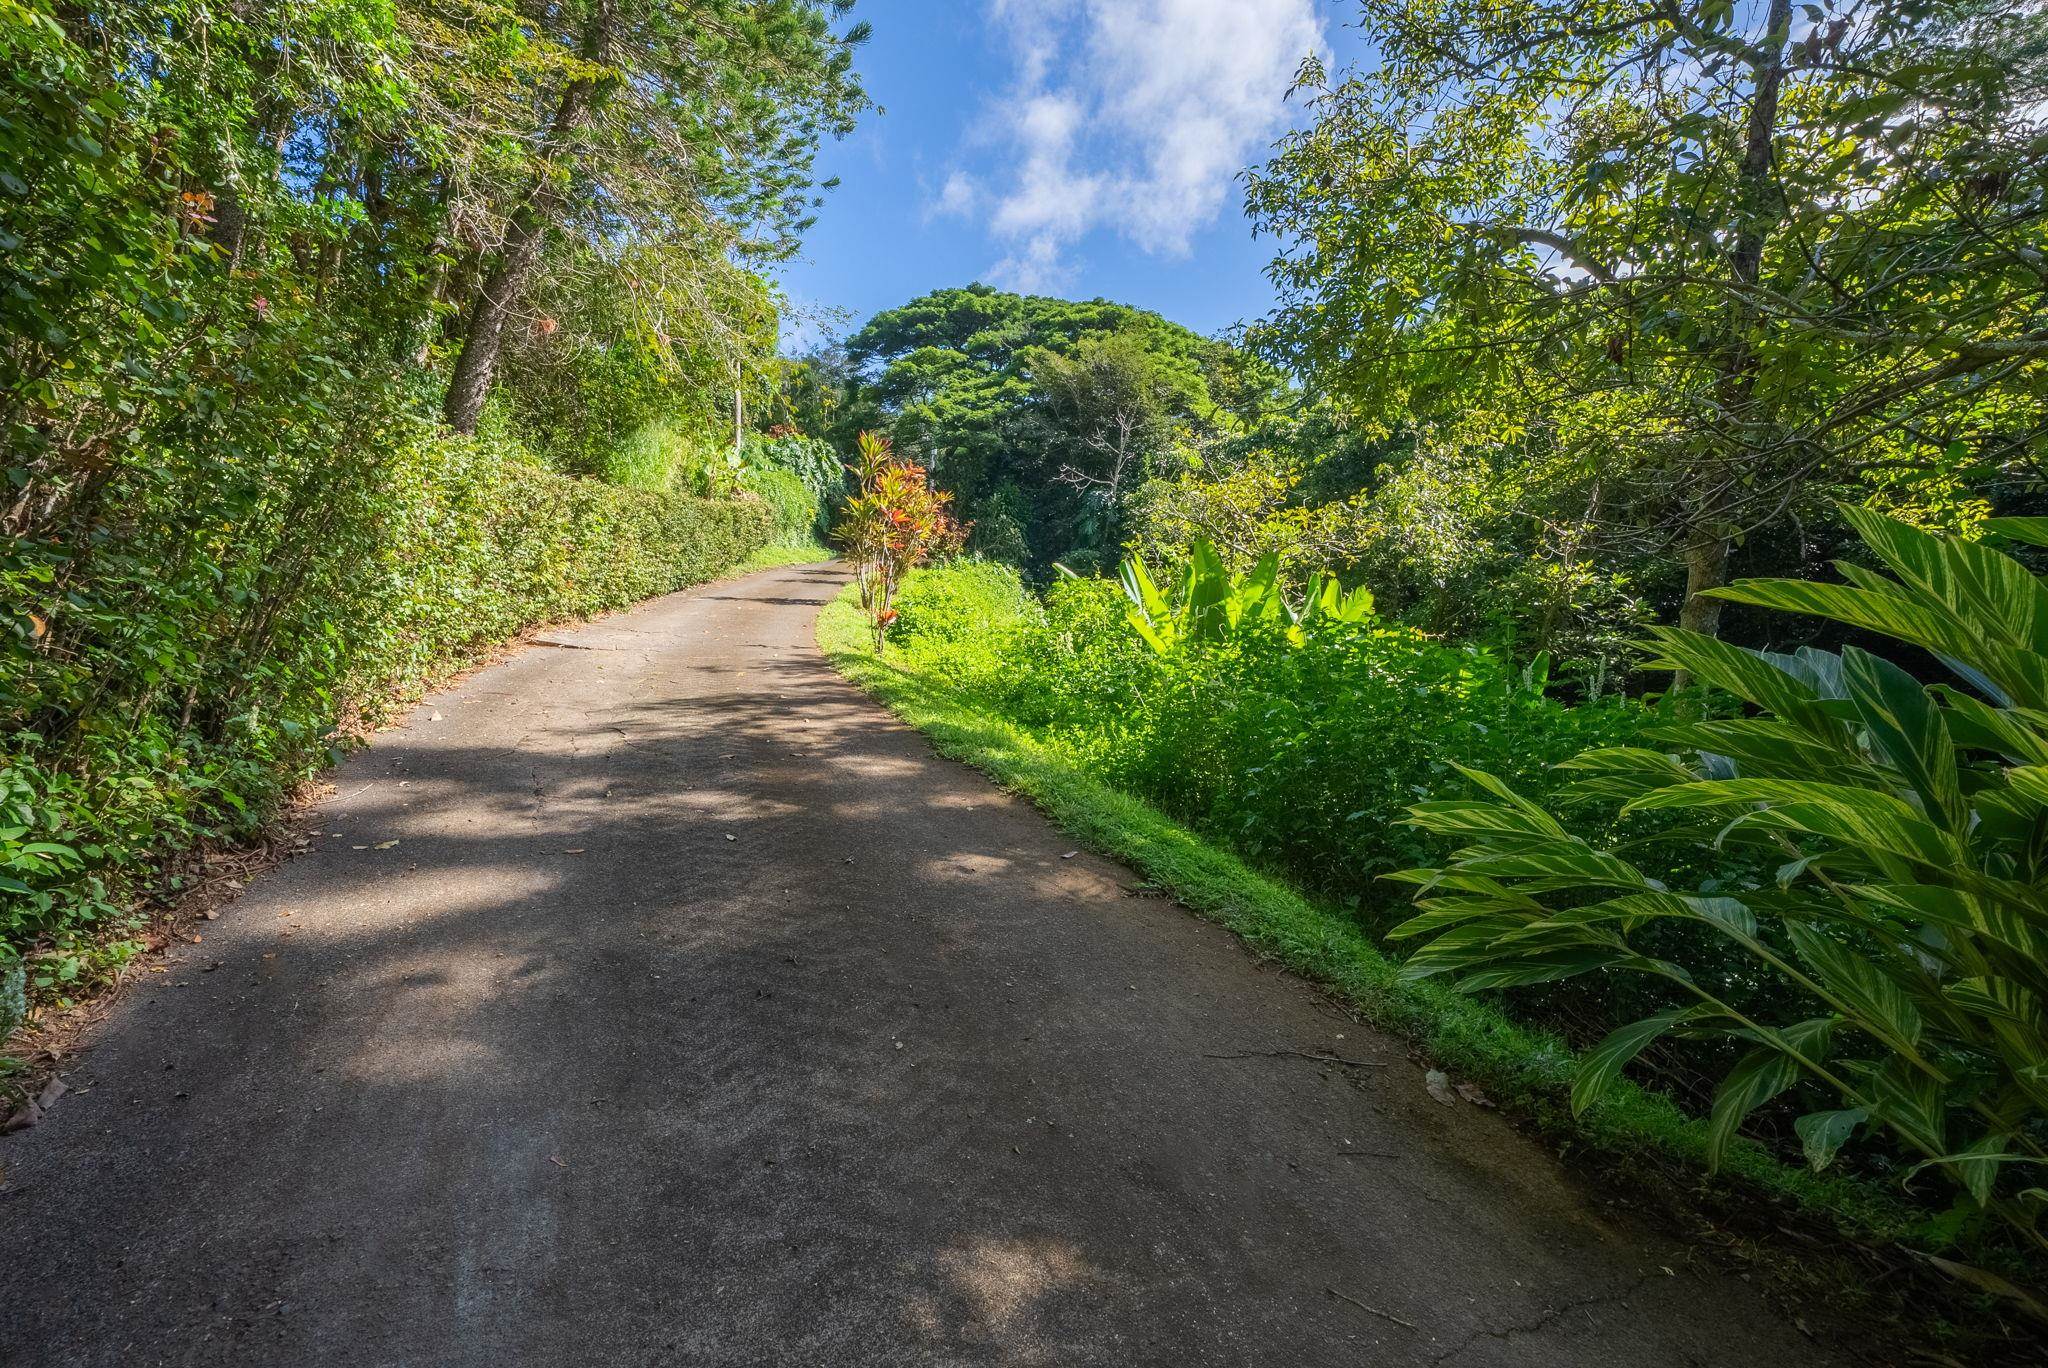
column 180, row 676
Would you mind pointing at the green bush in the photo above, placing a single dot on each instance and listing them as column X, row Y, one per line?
column 811, row 461
column 653, row 456
column 966, row 601
column 1300, row 746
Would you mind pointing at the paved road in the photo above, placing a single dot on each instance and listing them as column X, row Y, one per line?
column 657, row 999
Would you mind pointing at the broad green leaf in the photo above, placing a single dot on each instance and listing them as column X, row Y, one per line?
column 1977, row 583
column 1756, row 1078
column 2033, row 531
column 1822, row 1134
column 1765, row 748
column 1907, row 729
column 1908, row 1100
column 1887, row 610
column 1863, row 990
column 1507, row 795
column 1600, row 1066
column 1743, row 673
column 1977, row 724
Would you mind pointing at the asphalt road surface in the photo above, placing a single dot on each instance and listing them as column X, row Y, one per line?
column 655, row 998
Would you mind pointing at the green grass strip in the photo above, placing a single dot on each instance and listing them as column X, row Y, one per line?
column 1527, row 1072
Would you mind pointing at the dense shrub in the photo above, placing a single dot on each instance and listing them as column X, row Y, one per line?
column 183, row 680
column 1899, row 893
column 811, row 461
column 793, row 508
column 963, row 601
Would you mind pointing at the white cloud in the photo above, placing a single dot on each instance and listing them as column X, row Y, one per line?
column 1135, row 115
column 958, row 198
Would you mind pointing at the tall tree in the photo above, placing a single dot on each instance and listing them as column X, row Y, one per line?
column 1047, row 406
column 697, row 119
column 1701, row 253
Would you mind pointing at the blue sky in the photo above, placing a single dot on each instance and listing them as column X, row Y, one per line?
column 1068, row 147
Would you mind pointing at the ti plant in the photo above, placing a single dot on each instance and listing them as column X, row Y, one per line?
column 1908, row 914
column 1211, row 605
column 895, row 521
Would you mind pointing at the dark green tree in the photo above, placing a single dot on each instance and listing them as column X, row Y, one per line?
column 1065, row 404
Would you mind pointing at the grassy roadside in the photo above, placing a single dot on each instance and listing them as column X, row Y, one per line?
column 1637, row 1135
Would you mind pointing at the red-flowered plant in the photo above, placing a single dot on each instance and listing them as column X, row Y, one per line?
column 896, row 521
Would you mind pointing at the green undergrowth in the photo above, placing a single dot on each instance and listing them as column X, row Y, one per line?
column 771, row 556
column 1528, row 1072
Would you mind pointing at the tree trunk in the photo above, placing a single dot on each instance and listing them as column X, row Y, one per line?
column 1758, row 211
column 1706, row 567
column 526, row 233
column 484, row 339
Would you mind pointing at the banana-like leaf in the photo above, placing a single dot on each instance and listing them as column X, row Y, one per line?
column 1469, row 817
column 1258, row 598
column 1493, row 785
column 1876, row 822
column 1146, row 631
column 2033, row 531
column 1891, row 847
column 1885, row 610
column 2030, row 782
column 1756, row 1078
column 1909, row 1100
column 1601, row 1066
column 1979, row 726
column 1440, row 915
column 1996, row 999
column 1546, row 966
column 1818, row 670
column 1764, row 748
column 1207, row 595
column 1907, row 729
column 1822, row 1134
column 1560, row 865
column 1327, row 601
column 1149, row 614
column 1743, row 673
column 1862, row 990
column 1976, row 1168
column 2017, row 925
column 1975, row 582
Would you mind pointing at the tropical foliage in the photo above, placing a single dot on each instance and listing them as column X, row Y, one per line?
column 1044, row 416
column 894, row 520
column 1213, row 605
column 1697, row 266
column 1902, row 897
column 1296, row 729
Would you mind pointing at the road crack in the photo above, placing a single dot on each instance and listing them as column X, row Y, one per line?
column 1551, row 1316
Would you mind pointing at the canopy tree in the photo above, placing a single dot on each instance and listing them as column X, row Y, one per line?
column 1047, row 411
column 664, row 124
column 1704, row 258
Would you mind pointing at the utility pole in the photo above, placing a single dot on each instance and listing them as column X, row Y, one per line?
column 739, row 408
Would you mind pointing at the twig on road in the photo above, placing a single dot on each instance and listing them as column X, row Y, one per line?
column 1302, row 1054
column 1373, row 1310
